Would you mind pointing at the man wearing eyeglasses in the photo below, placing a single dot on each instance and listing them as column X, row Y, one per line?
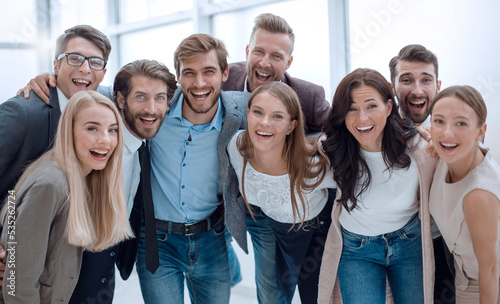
column 28, row 127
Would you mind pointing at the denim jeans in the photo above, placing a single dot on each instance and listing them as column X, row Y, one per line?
column 200, row 259
column 367, row 261
column 264, row 246
column 234, row 264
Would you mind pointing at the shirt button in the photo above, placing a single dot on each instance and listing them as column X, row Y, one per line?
column 112, row 253
column 104, row 280
column 183, row 165
column 183, row 187
column 187, row 143
column 183, row 203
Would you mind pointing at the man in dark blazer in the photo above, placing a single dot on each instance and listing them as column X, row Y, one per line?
column 27, row 129
column 268, row 56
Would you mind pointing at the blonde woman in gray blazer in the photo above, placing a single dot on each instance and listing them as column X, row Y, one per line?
column 69, row 200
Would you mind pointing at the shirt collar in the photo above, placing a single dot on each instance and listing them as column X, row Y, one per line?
column 130, row 141
column 63, row 101
column 176, row 111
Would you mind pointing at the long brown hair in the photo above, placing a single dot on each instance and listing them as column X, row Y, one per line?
column 303, row 159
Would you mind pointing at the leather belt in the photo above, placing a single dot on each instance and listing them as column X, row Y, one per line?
column 191, row 228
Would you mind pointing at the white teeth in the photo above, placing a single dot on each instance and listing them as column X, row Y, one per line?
column 449, row 145
column 262, row 74
column 264, row 134
column 417, row 102
column 81, row 81
column 201, row 93
column 103, row 152
column 148, row 119
column 364, row 128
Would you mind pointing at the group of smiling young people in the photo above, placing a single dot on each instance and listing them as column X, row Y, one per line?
column 373, row 242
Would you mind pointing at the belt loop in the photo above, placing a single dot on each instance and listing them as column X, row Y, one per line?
column 209, row 223
column 169, row 228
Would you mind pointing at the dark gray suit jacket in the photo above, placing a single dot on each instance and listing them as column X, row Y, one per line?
column 27, row 129
column 311, row 96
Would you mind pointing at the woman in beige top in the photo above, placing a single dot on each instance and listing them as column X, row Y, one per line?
column 464, row 198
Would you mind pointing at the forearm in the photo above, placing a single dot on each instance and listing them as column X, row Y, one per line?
column 488, row 284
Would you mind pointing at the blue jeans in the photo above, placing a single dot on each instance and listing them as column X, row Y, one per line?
column 367, row 261
column 264, row 247
column 200, row 259
column 234, row 264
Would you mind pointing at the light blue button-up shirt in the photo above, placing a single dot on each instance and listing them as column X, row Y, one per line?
column 185, row 178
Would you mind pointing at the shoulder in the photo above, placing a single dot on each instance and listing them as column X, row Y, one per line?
column 176, row 97
column 235, row 100
column 48, row 177
column 19, row 103
column 237, row 67
column 302, row 86
column 106, row 91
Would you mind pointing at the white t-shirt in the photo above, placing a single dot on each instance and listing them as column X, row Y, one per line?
column 272, row 193
column 388, row 203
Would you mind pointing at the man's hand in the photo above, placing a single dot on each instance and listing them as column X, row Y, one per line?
column 39, row 86
column 2, row 264
column 425, row 132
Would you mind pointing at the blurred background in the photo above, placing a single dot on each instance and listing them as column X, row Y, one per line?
column 333, row 37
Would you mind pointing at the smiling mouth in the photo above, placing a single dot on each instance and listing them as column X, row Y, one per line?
column 81, row 83
column 263, row 77
column 99, row 154
column 365, row 130
column 417, row 104
column 260, row 133
column 148, row 120
column 200, row 95
column 446, row 146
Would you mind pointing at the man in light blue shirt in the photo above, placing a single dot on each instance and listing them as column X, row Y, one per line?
column 194, row 188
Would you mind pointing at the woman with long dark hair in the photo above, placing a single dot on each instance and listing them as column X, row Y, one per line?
column 381, row 227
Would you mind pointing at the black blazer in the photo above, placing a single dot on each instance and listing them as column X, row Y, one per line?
column 27, row 129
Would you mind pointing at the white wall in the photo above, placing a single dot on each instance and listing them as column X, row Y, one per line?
column 463, row 34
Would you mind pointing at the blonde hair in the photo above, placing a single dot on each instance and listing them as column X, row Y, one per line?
column 97, row 217
column 304, row 160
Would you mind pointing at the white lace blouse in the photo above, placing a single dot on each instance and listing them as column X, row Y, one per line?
column 272, row 193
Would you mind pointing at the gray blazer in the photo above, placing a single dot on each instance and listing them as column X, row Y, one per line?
column 235, row 106
column 311, row 96
column 46, row 266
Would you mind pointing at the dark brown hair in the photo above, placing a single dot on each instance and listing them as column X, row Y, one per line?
column 342, row 148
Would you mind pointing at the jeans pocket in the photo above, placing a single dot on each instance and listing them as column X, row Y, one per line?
column 218, row 228
column 411, row 231
column 352, row 241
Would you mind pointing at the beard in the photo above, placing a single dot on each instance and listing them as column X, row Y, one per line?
column 131, row 122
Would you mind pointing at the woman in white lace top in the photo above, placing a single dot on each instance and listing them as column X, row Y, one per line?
column 286, row 178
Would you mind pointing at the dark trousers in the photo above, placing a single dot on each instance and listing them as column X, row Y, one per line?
column 96, row 284
column 444, row 287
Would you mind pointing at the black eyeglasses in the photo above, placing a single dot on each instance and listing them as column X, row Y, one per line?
column 76, row 60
